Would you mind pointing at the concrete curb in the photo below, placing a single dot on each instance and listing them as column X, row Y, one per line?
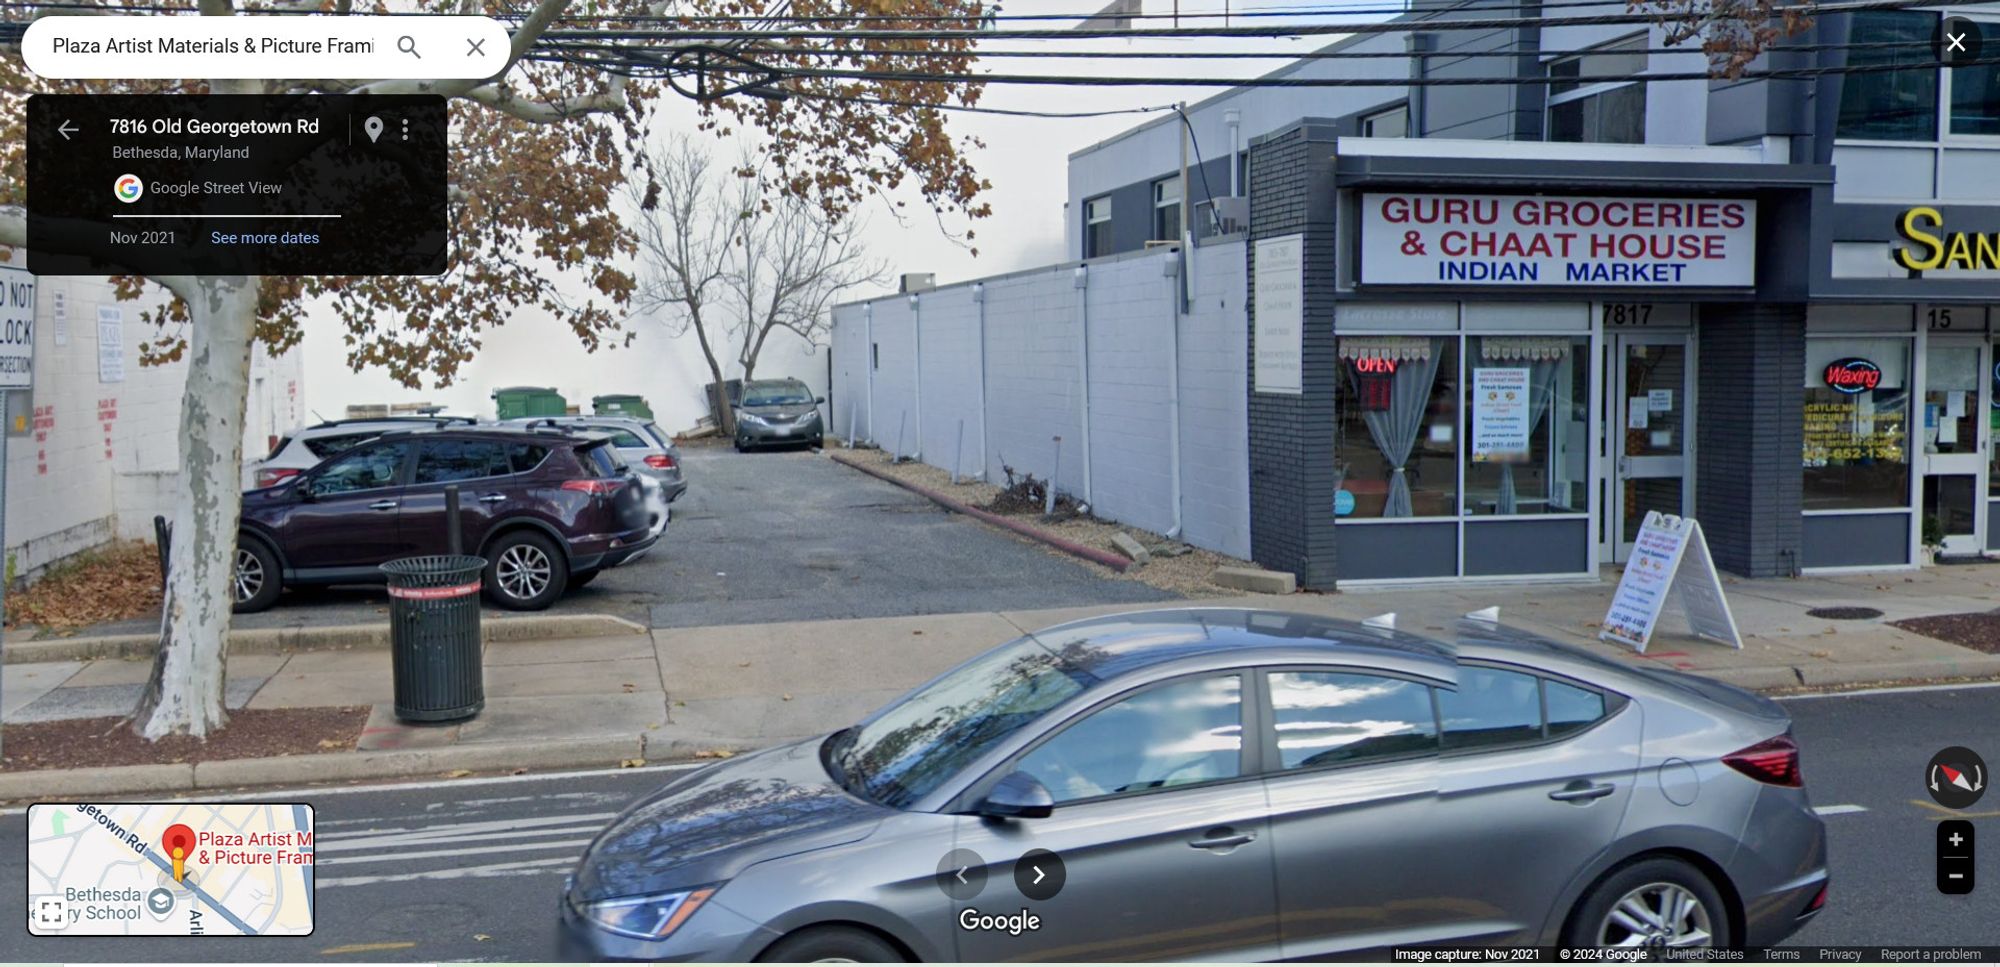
column 607, row 750
column 1094, row 555
column 285, row 641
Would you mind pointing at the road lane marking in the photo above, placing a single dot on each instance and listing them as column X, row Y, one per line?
column 524, row 867
column 415, row 834
column 376, row 843
column 1889, row 690
column 571, row 844
column 309, row 792
column 363, row 948
column 1840, row 810
column 1943, row 813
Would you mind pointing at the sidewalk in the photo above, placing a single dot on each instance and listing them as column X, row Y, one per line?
column 681, row 692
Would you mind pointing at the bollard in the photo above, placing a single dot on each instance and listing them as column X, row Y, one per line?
column 902, row 423
column 1049, row 495
column 163, row 536
column 454, row 535
column 850, row 428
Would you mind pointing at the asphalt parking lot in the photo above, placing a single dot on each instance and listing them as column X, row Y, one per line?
column 785, row 536
column 793, row 536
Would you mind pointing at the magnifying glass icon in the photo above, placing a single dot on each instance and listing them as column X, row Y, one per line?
column 408, row 45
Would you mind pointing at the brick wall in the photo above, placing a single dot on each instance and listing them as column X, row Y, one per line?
column 1291, row 436
column 1748, row 483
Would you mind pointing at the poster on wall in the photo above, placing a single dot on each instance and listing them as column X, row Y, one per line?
column 1279, row 311
column 110, row 344
column 1428, row 238
column 1500, row 413
column 1669, row 556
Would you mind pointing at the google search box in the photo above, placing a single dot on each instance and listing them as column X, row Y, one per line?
column 266, row 47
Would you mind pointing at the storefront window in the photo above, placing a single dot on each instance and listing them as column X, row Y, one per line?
column 1857, row 423
column 1527, row 418
column 1975, row 88
column 1398, row 444
column 1993, row 431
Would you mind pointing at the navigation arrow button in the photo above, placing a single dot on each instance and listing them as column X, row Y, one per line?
column 66, row 129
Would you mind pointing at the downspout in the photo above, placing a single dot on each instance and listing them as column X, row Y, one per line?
column 1083, row 369
column 917, row 342
column 979, row 299
column 868, row 333
column 1170, row 267
column 1234, row 118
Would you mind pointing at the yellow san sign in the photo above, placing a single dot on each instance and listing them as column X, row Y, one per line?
column 1931, row 247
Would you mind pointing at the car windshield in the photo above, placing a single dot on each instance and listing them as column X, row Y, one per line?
column 778, row 394
column 904, row 753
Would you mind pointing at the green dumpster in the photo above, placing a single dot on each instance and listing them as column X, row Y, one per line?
column 621, row 404
column 515, row 402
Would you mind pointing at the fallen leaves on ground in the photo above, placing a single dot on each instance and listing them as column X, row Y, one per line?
column 714, row 754
column 458, row 773
column 630, row 763
column 120, row 582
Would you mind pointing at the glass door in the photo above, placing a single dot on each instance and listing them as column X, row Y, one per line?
column 1650, row 380
column 1954, row 432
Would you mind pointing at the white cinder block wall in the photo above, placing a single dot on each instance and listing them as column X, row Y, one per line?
column 102, row 457
column 948, row 320
column 1033, row 355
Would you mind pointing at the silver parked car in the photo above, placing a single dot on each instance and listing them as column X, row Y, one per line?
column 645, row 447
column 1229, row 784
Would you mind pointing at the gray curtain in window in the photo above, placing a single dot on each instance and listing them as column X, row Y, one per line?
column 1395, row 429
column 1541, row 389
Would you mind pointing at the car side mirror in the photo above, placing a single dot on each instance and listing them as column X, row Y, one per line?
column 819, row 400
column 304, row 490
column 1018, row 796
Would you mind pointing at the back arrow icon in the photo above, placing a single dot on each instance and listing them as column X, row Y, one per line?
column 65, row 129
column 961, row 873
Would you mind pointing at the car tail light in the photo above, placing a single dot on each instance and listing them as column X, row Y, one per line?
column 1774, row 760
column 592, row 486
column 660, row 461
column 1818, row 900
column 274, row 477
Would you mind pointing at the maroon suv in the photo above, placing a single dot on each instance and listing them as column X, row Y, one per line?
column 547, row 509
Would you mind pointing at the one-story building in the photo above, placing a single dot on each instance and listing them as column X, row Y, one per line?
column 1487, row 327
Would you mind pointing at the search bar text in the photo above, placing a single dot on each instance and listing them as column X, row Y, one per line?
column 266, row 47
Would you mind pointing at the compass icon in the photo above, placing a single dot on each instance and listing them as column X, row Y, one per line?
column 1956, row 777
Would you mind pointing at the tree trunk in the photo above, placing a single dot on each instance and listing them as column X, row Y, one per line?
column 725, row 415
column 185, row 692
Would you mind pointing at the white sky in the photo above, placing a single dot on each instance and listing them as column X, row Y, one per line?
column 1025, row 159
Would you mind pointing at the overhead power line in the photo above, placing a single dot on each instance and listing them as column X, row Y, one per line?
column 1294, row 30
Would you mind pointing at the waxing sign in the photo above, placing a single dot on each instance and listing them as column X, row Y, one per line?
column 1853, row 375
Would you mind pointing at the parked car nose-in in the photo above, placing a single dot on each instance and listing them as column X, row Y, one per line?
column 778, row 412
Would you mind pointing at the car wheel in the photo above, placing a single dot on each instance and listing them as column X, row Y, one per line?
column 525, row 571
column 742, row 447
column 579, row 580
column 256, row 581
column 832, row 945
column 1658, row 902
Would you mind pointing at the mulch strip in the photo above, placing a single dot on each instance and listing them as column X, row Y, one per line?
column 1977, row 630
column 249, row 734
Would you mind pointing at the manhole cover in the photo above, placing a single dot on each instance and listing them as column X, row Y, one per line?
column 1844, row 614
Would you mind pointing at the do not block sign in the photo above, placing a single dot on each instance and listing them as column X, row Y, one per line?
column 1670, row 554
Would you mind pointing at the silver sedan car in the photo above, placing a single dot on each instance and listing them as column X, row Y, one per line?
column 1229, row 784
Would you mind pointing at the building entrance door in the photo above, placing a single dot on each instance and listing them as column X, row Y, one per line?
column 1954, row 436
column 1649, row 377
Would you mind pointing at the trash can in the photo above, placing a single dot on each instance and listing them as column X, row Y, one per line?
column 434, row 636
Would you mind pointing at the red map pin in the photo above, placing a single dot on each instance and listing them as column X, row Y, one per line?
column 178, row 841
